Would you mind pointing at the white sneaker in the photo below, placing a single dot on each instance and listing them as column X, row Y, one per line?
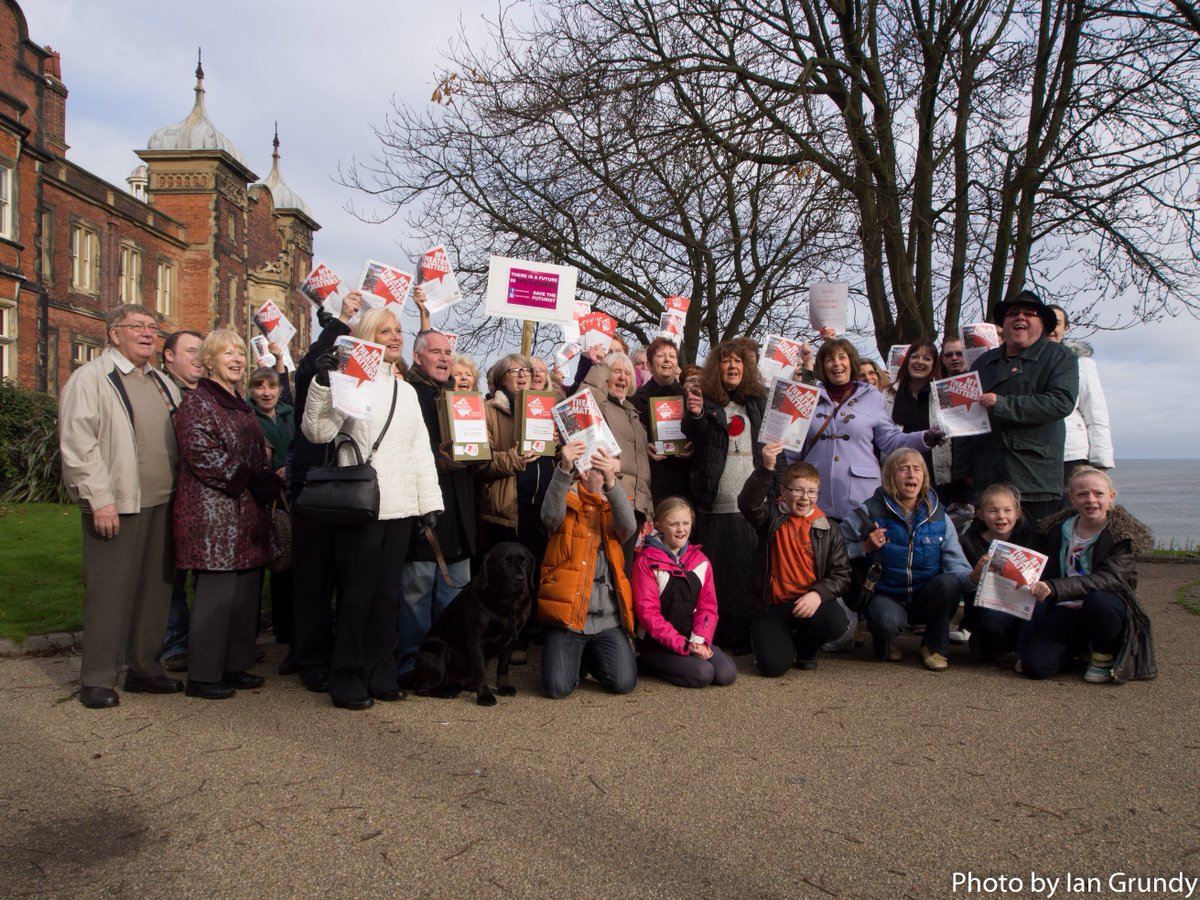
column 960, row 636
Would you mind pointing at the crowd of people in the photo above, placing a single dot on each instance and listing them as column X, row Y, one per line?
column 648, row 564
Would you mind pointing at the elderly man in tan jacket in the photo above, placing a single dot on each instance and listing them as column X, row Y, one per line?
column 118, row 450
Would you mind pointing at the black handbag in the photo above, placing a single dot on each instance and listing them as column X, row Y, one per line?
column 344, row 495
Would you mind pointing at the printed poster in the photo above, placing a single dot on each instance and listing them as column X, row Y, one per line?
column 464, row 425
column 522, row 289
column 790, row 406
column 895, row 360
column 957, row 407
column 277, row 329
column 359, row 366
column 977, row 339
column 827, row 304
column 536, row 422
column 438, row 280
column 323, row 288
column 670, row 326
column 1007, row 578
column 382, row 284
column 666, row 425
column 579, row 419
column 780, row 358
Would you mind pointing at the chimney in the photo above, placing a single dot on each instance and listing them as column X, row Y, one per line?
column 54, row 114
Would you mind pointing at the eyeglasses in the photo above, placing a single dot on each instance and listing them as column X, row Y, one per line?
column 952, row 353
column 801, row 492
column 518, row 372
column 143, row 329
column 1025, row 311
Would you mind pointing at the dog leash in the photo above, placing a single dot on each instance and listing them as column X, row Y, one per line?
column 437, row 552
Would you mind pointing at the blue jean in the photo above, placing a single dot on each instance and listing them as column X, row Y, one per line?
column 424, row 593
column 932, row 603
column 1061, row 632
column 608, row 655
column 175, row 642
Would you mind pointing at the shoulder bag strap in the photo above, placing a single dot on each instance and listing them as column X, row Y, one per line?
column 391, row 412
column 825, row 424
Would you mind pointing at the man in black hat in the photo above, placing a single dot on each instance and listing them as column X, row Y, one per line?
column 1029, row 387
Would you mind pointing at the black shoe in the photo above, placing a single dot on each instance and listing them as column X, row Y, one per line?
column 98, row 697
column 361, row 703
column 210, row 690
column 243, row 680
column 159, row 684
column 390, row 696
column 315, row 680
column 175, row 663
column 288, row 666
column 806, row 665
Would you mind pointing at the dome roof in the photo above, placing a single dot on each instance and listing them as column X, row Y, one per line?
column 282, row 195
column 196, row 132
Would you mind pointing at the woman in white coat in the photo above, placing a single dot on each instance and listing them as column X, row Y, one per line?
column 370, row 557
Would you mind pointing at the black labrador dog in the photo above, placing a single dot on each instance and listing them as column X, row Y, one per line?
column 480, row 624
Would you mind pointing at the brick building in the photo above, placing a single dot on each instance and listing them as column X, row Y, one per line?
column 195, row 236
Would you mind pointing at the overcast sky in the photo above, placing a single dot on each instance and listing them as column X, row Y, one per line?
column 326, row 73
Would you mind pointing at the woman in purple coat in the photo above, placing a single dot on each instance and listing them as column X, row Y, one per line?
column 846, row 451
column 222, row 530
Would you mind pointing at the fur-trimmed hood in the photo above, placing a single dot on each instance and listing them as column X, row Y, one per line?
column 1079, row 348
column 1123, row 524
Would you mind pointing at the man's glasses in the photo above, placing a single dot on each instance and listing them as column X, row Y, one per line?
column 143, row 329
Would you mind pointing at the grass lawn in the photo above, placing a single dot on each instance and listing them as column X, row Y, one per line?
column 41, row 586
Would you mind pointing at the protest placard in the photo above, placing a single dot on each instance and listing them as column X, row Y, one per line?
column 464, row 425
column 790, row 406
column 1007, row 578
column 670, row 326
column 957, row 407
column 535, row 422
column 666, row 425
column 827, row 303
column 262, row 355
column 522, row 289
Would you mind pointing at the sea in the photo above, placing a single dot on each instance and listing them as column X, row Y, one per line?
column 1165, row 495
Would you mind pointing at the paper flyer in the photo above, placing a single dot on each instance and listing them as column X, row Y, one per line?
column 527, row 290
column 957, row 406
column 262, row 356
column 790, row 406
column 323, row 287
column 359, row 365
column 570, row 330
column 438, row 280
column 827, row 304
column 780, row 358
column 666, row 425
column 464, row 425
column 277, row 329
column 895, row 360
column 977, row 339
column 677, row 303
column 536, row 422
column 579, row 419
column 1005, row 582
column 670, row 326
column 597, row 328
column 385, row 283
column 452, row 338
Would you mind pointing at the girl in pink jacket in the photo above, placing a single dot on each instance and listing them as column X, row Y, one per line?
column 676, row 604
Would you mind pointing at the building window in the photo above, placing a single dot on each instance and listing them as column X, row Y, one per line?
column 6, row 202
column 8, row 340
column 47, row 245
column 52, row 361
column 166, row 289
column 131, row 274
column 84, row 350
column 232, row 223
column 85, row 259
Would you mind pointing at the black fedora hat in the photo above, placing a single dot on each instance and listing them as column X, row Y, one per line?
column 1031, row 300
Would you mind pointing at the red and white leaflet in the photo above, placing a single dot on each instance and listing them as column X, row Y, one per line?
column 278, row 330
column 597, row 328
column 452, row 338
column 537, row 426
column 677, row 303
column 827, row 306
column 467, row 422
column 780, row 357
column 386, row 283
column 322, row 287
column 790, row 407
column 579, row 419
column 570, row 330
column 978, row 338
column 666, row 424
column 438, row 280
column 1007, row 578
column 262, row 356
column 957, row 406
column 359, row 365
column 670, row 326
column 580, row 309
column 895, row 360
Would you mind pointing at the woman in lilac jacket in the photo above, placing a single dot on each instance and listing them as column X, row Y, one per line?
column 846, row 452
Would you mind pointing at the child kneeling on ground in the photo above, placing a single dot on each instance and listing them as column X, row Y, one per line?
column 800, row 566
column 584, row 597
column 1086, row 596
column 673, row 596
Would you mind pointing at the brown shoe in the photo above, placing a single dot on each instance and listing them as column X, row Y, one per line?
column 98, row 697
column 934, row 662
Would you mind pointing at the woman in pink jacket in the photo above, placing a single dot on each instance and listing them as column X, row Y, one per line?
column 676, row 604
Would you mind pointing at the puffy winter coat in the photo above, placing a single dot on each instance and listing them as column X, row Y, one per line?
column 709, row 433
column 674, row 599
column 1088, row 434
column 217, row 523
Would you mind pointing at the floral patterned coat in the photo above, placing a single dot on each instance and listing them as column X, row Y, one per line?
column 218, row 525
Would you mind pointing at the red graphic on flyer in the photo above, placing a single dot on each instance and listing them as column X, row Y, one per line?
column 363, row 361
column 786, row 352
column 964, row 392
column 797, row 401
column 468, row 409
column 320, row 284
column 536, row 289
column 678, row 303
column 386, row 282
column 268, row 316
column 1022, row 568
column 670, row 410
column 598, row 321
column 537, row 408
column 434, row 264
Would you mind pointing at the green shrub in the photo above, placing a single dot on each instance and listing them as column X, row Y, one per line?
column 29, row 464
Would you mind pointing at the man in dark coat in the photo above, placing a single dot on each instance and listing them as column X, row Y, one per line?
column 1029, row 387
column 424, row 591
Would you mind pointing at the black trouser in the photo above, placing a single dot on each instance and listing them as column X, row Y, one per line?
column 779, row 638
column 314, row 570
column 370, row 562
column 224, row 624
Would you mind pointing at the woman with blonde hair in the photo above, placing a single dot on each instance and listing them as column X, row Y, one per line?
column 222, row 530
column 370, row 557
column 464, row 374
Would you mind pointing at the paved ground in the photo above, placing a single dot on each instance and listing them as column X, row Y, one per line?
column 861, row 779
